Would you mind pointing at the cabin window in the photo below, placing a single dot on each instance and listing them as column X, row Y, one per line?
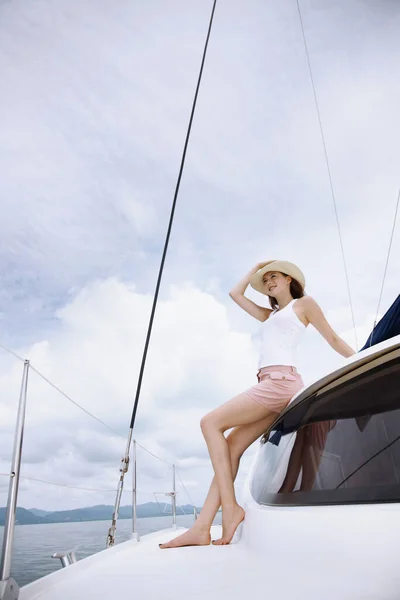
column 341, row 445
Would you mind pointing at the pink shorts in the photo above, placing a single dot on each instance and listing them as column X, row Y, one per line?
column 276, row 386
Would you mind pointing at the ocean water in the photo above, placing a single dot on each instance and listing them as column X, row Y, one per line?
column 34, row 544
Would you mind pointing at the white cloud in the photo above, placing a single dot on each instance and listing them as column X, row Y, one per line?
column 196, row 361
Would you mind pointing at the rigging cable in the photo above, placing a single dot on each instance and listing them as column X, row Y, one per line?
column 184, row 487
column 328, row 168
column 150, row 326
column 60, row 391
column 125, row 460
column 386, row 266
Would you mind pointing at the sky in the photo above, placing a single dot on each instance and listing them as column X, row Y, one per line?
column 95, row 103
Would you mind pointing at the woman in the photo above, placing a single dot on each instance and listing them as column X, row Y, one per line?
column 251, row 413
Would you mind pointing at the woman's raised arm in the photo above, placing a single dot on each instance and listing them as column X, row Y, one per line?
column 237, row 294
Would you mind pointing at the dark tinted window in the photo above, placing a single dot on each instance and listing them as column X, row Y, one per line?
column 340, row 446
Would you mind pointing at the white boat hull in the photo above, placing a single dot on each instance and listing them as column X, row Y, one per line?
column 310, row 553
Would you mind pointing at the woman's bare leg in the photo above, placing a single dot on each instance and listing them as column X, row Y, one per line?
column 199, row 533
column 239, row 439
column 312, row 458
column 295, row 464
column 313, row 454
column 241, row 410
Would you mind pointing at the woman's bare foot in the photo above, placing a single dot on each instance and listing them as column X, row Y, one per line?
column 230, row 522
column 193, row 537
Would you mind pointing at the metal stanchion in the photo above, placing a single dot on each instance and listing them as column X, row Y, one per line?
column 9, row 589
column 173, row 498
column 135, row 534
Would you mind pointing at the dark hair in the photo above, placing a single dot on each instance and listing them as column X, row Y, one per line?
column 296, row 289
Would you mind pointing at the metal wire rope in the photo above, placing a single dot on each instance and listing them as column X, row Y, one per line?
column 386, row 266
column 125, row 460
column 79, row 406
column 328, row 168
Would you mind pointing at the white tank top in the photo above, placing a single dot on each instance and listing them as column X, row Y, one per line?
column 280, row 335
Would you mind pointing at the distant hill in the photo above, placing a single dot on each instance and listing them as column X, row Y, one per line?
column 37, row 512
column 23, row 517
column 93, row 513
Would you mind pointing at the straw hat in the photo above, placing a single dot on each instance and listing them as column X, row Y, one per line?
column 283, row 266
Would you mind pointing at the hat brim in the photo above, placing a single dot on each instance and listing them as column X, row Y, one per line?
column 282, row 266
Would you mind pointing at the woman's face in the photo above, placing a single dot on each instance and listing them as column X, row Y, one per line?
column 274, row 283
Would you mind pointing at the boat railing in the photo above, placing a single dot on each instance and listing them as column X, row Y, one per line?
column 9, row 589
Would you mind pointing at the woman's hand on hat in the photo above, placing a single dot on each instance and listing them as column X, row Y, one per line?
column 261, row 265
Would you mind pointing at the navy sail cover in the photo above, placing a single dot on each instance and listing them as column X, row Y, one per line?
column 388, row 326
